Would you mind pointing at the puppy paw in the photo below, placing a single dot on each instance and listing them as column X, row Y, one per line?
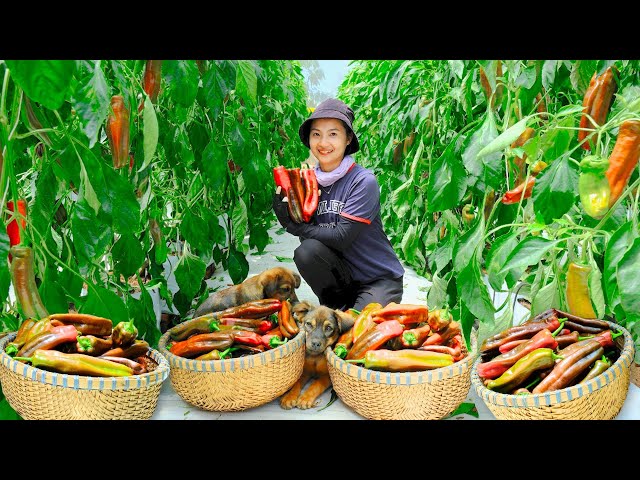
column 305, row 403
column 289, row 401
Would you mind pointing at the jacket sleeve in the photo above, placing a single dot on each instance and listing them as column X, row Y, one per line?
column 339, row 238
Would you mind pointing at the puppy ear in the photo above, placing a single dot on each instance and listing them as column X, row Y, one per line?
column 300, row 309
column 268, row 286
column 297, row 278
column 345, row 321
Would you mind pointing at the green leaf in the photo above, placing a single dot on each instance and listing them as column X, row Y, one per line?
column 464, row 408
column 467, row 245
column 241, row 145
column 529, row 252
column 150, row 123
column 447, row 182
column 437, row 293
column 53, row 295
column 473, row 292
column 7, row 412
column 189, row 274
column 125, row 209
column 214, row 167
column 247, row 80
column 488, row 170
column 104, row 303
column 505, row 139
column 91, row 101
column 44, row 81
column 554, row 192
column 500, row 323
column 90, row 236
column 182, row 78
column 546, row 298
column 195, row 230
column 258, row 238
column 444, row 253
column 239, row 221
column 496, row 258
column 128, row 255
column 42, row 213
column 629, row 280
column 595, row 289
column 408, row 243
column 5, row 274
column 283, row 259
column 618, row 244
column 86, row 190
column 548, row 73
column 238, row 266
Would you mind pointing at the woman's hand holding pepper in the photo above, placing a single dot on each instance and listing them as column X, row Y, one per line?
column 281, row 208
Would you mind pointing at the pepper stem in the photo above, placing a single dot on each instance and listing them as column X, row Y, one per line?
column 214, row 326
column 23, row 359
column 616, row 334
column 559, row 329
column 355, row 360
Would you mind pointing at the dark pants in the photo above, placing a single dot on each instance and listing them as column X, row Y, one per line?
column 330, row 279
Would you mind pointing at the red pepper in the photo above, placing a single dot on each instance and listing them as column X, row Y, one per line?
column 245, row 337
column 310, row 204
column 13, row 230
column 501, row 363
column 118, row 132
column 374, row 338
column 273, row 338
column 605, row 338
column 415, row 337
column 251, row 324
column 514, row 195
column 281, row 177
column 151, row 80
column 403, row 312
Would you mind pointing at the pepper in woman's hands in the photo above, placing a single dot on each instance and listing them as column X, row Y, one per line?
column 281, row 209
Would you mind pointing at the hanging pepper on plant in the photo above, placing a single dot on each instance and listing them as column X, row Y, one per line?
column 118, row 132
column 593, row 186
column 596, row 103
column 623, row 158
column 577, row 290
column 151, row 80
column 18, row 223
column 24, row 283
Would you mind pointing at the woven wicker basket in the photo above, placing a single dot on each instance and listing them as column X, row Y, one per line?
column 423, row 395
column 38, row 394
column 236, row 383
column 601, row 398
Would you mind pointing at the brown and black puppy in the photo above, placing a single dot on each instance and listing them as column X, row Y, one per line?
column 277, row 282
column 323, row 326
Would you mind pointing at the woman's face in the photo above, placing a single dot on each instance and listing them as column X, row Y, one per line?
column 328, row 140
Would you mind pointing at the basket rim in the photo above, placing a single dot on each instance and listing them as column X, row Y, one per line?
column 84, row 382
column 229, row 364
column 563, row 395
column 401, row 378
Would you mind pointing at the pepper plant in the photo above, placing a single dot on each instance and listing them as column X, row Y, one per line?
column 203, row 137
column 447, row 142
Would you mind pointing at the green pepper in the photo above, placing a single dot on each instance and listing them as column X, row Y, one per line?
column 520, row 371
column 124, row 334
column 600, row 366
column 76, row 364
column 406, row 360
column 593, row 186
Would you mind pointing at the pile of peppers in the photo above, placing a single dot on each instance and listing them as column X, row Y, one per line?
column 252, row 327
column 402, row 338
column 550, row 351
column 300, row 186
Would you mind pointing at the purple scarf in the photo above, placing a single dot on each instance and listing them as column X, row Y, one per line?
column 329, row 178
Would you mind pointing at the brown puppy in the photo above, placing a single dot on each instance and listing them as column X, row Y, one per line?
column 277, row 282
column 323, row 326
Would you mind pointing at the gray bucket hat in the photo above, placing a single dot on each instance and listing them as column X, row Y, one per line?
column 331, row 108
